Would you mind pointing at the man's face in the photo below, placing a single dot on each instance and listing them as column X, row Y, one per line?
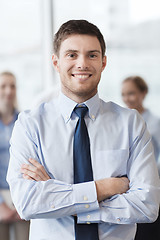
column 7, row 90
column 80, row 65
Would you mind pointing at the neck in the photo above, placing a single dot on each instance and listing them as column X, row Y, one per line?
column 79, row 98
column 140, row 109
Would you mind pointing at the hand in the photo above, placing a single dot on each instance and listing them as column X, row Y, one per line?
column 108, row 187
column 34, row 171
column 7, row 214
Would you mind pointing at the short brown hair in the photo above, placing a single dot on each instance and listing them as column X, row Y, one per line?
column 77, row 27
column 139, row 82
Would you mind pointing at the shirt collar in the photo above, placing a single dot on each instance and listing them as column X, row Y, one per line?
column 67, row 105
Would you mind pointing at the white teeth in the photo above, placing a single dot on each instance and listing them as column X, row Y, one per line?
column 81, row 76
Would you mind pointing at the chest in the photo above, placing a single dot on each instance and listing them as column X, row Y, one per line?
column 109, row 146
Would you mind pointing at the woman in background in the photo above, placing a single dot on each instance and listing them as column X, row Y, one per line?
column 8, row 115
column 134, row 91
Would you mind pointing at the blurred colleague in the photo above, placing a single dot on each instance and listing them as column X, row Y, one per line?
column 8, row 116
column 134, row 91
column 85, row 182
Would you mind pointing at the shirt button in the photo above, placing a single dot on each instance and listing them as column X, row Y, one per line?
column 85, row 198
column 87, row 206
column 93, row 117
column 52, row 206
column 88, row 216
column 88, row 223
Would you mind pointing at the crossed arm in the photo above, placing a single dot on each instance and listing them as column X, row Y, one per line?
column 105, row 188
column 45, row 197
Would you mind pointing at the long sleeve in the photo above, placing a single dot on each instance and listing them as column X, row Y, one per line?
column 141, row 202
column 43, row 199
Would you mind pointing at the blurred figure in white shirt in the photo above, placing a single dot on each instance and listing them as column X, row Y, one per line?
column 134, row 91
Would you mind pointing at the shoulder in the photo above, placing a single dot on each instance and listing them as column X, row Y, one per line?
column 152, row 117
column 119, row 110
column 129, row 118
column 114, row 107
column 38, row 114
column 153, row 123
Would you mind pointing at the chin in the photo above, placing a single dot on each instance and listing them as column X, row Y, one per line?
column 85, row 92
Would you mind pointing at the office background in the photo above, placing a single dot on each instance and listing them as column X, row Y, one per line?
column 130, row 28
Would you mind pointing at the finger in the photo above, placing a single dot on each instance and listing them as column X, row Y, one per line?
column 33, row 171
column 31, row 174
column 28, row 167
column 25, row 176
column 39, row 166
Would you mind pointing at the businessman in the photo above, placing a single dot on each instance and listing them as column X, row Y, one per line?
column 81, row 168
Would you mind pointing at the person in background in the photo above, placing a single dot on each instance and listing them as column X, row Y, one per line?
column 8, row 116
column 134, row 91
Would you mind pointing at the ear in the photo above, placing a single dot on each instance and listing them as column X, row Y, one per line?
column 55, row 61
column 104, row 62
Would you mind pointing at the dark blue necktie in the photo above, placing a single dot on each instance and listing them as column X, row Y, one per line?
column 83, row 170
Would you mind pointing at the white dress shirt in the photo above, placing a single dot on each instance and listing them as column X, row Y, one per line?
column 120, row 145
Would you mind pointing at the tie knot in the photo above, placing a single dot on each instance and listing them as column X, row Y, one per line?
column 81, row 111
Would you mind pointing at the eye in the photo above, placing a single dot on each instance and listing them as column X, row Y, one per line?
column 71, row 55
column 13, row 86
column 92, row 55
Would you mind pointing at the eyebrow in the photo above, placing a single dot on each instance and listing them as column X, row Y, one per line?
column 91, row 51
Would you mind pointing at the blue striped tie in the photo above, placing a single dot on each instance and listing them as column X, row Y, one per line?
column 83, row 170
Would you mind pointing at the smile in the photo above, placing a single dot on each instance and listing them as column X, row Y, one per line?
column 82, row 76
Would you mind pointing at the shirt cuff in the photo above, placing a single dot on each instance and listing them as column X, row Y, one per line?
column 89, row 217
column 85, row 197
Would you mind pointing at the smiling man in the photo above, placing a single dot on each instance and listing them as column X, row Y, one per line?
column 93, row 175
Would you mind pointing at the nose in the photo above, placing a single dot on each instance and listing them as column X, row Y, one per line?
column 82, row 63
